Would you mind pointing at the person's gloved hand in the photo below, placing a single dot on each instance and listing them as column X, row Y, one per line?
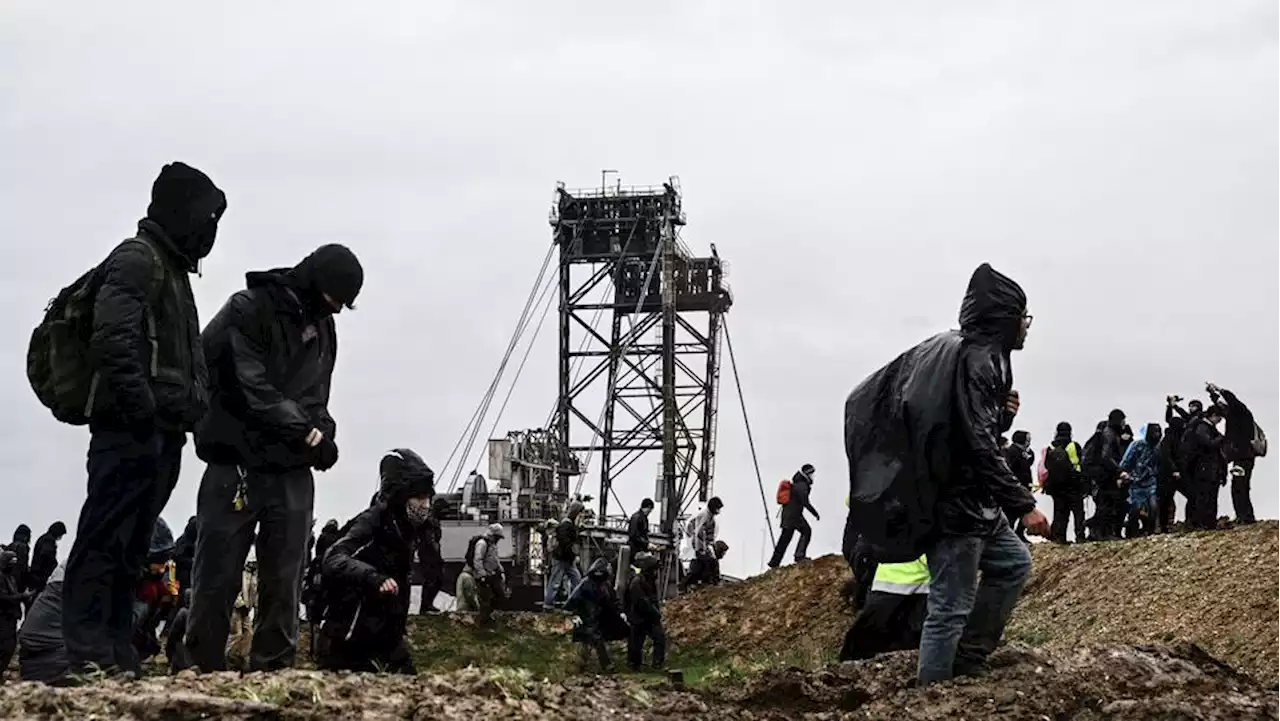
column 324, row 455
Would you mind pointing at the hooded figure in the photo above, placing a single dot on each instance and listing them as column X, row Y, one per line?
column 1062, row 481
column 1142, row 462
column 367, row 571
column 644, row 613
column 11, row 600
column 793, row 519
column 595, row 604
column 1102, row 466
column 919, row 427
column 271, row 352
column 44, row 557
column 21, row 549
column 927, row 475
column 1206, row 468
column 151, row 389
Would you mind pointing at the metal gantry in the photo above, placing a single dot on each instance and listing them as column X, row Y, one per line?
column 649, row 388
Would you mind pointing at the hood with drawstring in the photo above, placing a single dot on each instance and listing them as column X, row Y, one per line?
column 404, row 475
column 185, row 208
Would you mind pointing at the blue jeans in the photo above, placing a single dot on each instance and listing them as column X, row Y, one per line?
column 560, row 572
column 966, row 616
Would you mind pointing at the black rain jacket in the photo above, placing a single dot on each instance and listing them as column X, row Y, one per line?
column 270, row 364
column 147, row 377
column 1202, row 446
column 566, row 541
column 921, row 434
column 377, row 545
column 44, row 558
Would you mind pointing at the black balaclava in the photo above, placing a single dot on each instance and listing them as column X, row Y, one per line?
column 331, row 269
column 22, row 533
column 187, row 206
column 1115, row 419
column 1153, row 434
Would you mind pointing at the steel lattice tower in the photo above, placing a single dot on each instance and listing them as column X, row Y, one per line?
column 659, row 367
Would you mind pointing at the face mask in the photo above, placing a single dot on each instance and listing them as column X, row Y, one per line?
column 417, row 510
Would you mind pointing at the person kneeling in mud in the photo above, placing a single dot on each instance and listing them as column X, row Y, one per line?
column 644, row 614
column 366, row 573
column 893, row 615
column 596, row 606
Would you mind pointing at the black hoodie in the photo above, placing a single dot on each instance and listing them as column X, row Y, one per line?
column 271, row 352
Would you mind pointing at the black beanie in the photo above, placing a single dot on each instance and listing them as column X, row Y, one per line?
column 1064, row 427
column 1116, row 417
column 331, row 269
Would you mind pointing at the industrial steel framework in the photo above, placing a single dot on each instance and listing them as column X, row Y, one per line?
column 656, row 372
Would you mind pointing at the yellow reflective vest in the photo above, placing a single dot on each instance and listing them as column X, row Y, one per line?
column 902, row 579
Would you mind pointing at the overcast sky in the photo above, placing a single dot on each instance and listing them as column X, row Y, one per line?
column 853, row 163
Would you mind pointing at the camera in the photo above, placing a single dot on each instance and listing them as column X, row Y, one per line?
column 1173, row 399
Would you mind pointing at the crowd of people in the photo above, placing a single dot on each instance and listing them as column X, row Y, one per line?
column 121, row 350
column 1133, row 479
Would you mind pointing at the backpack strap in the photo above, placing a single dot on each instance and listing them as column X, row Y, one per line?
column 153, row 297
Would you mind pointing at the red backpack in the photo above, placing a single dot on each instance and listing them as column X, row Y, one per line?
column 784, row 492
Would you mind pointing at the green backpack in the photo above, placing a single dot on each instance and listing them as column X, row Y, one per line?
column 59, row 365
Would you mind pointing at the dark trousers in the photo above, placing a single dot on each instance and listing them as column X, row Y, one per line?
column 886, row 622
column 635, row 644
column 279, row 506
column 491, row 592
column 8, row 643
column 1108, row 518
column 1202, row 504
column 1166, row 508
column 432, row 582
column 864, row 567
column 342, row 655
column 130, row 478
column 802, row 547
column 1240, row 492
column 1142, row 519
column 704, row 570
column 1067, row 508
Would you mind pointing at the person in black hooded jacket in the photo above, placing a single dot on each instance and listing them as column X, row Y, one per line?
column 793, row 519
column 44, row 558
column 150, row 391
column 271, row 352
column 976, row 547
column 366, row 572
column 1065, row 484
column 1102, row 465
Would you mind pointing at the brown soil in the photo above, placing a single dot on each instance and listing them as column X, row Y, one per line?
column 1217, row 589
column 1118, row 682
column 796, row 612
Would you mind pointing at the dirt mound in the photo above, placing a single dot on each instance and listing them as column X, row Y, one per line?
column 795, row 612
column 1218, row 589
column 1117, row 682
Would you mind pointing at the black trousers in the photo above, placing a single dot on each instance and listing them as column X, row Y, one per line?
column 131, row 476
column 432, row 582
column 1202, row 506
column 8, row 643
column 391, row 656
column 635, row 644
column 886, row 622
column 788, row 530
column 1240, row 492
column 279, row 506
column 1067, row 508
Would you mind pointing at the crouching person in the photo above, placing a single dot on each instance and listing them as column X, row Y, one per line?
column 893, row 614
column 644, row 614
column 599, row 621
column 157, row 594
column 366, row 573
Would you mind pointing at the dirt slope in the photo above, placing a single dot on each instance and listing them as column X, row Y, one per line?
column 795, row 612
column 1218, row 589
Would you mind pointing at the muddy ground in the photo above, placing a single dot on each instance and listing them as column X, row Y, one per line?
column 1114, row 682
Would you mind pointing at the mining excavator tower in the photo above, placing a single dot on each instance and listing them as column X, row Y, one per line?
column 636, row 396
